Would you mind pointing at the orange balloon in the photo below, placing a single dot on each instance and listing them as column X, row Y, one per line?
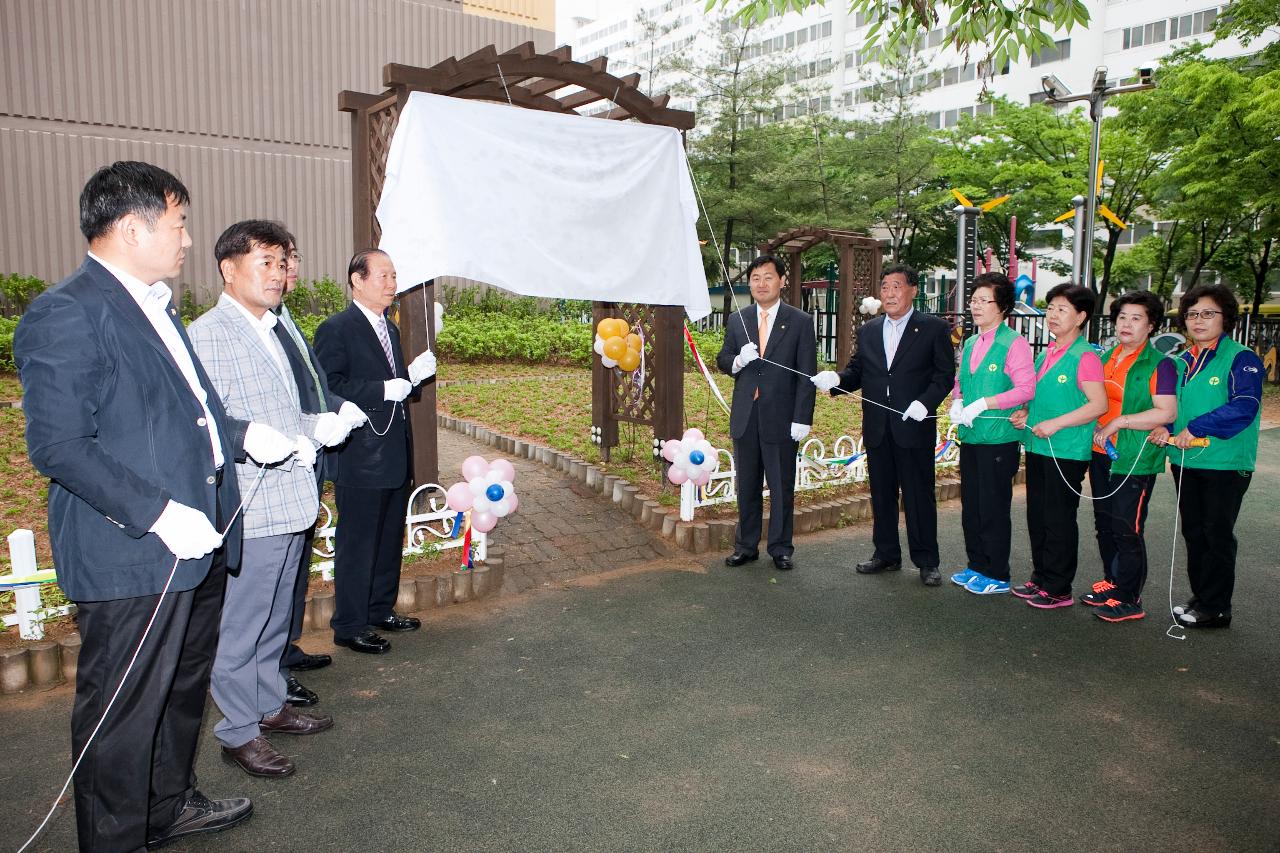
column 629, row 360
column 621, row 328
column 605, row 327
column 634, row 342
column 615, row 347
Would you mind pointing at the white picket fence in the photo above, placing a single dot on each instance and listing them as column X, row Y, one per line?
column 428, row 521
column 28, row 614
column 815, row 468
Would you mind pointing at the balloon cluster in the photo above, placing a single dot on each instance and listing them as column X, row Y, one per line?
column 869, row 306
column 692, row 458
column 617, row 345
column 486, row 491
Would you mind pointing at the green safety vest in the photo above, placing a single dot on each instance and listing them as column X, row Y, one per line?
column 987, row 381
column 1058, row 392
column 1137, row 398
column 1204, row 392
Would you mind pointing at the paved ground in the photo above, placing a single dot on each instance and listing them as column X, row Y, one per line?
column 695, row 707
column 562, row 531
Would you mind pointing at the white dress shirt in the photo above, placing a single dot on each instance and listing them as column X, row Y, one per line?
column 893, row 331
column 263, row 326
column 373, row 321
column 154, row 301
column 770, row 315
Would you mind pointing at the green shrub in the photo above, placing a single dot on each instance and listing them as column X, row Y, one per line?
column 17, row 291
column 324, row 298
column 503, row 337
column 7, row 325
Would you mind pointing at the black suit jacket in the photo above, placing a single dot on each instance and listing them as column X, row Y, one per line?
column 924, row 369
column 112, row 422
column 308, row 398
column 785, row 397
column 357, row 369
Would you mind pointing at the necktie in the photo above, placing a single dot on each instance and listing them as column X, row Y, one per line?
column 762, row 334
column 296, row 336
column 385, row 339
column 894, row 331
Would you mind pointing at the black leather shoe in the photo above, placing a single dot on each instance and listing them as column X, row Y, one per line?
column 287, row 721
column 259, row 758
column 307, row 662
column 396, row 622
column 367, row 643
column 297, row 695
column 931, row 577
column 783, row 563
column 876, row 565
column 200, row 815
column 740, row 558
column 1197, row 618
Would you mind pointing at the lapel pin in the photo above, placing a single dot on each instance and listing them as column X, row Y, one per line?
column 173, row 312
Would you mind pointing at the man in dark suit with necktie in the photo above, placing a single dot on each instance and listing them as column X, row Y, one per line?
column 360, row 351
column 904, row 365
column 772, row 408
column 123, row 419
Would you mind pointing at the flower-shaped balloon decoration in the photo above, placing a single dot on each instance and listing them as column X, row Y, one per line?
column 486, row 492
column 617, row 345
column 692, row 458
column 869, row 306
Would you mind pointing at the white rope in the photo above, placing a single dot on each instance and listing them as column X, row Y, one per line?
column 503, row 78
column 262, row 469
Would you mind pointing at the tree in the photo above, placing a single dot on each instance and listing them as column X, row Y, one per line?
column 652, row 62
column 1002, row 30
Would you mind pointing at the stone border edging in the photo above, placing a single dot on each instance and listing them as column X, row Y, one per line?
column 696, row 537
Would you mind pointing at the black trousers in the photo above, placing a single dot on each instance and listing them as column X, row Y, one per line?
column 366, row 571
column 140, row 768
column 1120, row 523
column 1209, row 503
column 1051, row 520
column 757, row 462
column 891, row 468
column 986, row 494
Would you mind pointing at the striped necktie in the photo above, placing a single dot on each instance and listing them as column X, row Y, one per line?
column 385, row 339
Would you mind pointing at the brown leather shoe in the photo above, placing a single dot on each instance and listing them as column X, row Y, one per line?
column 259, row 758
column 290, row 721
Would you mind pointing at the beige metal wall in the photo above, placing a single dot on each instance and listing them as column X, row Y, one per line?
column 236, row 97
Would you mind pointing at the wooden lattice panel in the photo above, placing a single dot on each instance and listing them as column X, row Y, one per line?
column 382, row 126
column 632, row 394
column 862, row 274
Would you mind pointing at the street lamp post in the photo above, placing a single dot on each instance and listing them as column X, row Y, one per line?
column 1058, row 92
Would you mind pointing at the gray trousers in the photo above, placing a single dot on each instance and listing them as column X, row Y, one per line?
column 247, row 682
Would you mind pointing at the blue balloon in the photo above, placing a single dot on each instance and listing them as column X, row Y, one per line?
column 697, row 457
column 494, row 492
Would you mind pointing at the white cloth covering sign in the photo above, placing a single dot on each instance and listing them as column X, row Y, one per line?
column 542, row 204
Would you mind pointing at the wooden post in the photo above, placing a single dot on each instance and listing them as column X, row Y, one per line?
column 418, row 334
column 795, row 280
column 602, row 417
column 844, row 311
column 668, row 357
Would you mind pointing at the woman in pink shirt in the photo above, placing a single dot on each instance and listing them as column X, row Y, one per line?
column 1058, row 436
column 994, row 379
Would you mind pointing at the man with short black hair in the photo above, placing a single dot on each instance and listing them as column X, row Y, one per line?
column 130, row 431
column 904, row 363
column 772, row 409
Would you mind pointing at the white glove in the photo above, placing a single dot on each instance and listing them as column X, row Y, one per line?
column 352, row 415
column 305, row 452
column 972, row 411
column 916, row 411
column 267, row 446
column 395, row 390
column 186, row 531
column 439, row 318
column 826, row 380
column 422, row 367
column 799, row 431
column 331, row 429
column 957, row 411
column 745, row 356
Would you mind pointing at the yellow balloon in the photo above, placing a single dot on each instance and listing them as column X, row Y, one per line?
column 604, row 328
column 615, row 347
column 629, row 360
column 621, row 328
column 634, row 342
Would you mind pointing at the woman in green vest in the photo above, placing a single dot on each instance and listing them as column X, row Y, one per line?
column 1058, row 437
column 995, row 377
column 1219, row 398
column 1142, row 387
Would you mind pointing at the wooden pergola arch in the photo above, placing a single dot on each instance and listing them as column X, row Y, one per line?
column 859, row 273
column 553, row 82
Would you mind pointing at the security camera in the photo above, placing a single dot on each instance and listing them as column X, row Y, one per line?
column 1053, row 87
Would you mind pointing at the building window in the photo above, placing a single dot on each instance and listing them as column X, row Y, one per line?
column 1057, row 51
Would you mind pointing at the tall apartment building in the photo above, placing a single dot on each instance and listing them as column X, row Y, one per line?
column 239, row 99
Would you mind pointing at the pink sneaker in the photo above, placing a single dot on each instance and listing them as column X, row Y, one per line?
column 1045, row 601
column 1027, row 590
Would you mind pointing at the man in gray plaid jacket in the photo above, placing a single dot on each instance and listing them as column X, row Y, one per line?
column 251, row 374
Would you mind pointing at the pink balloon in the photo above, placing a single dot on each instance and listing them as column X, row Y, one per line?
column 692, row 435
column 677, row 475
column 459, row 497
column 474, row 466
column 505, row 469
column 670, row 448
column 513, row 502
column 483, row 521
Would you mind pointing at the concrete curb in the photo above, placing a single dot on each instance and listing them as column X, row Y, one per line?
column 40, row 664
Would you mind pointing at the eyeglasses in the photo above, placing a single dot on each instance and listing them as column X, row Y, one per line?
column 294, row 257
column 978, row 303
column 1202, row 315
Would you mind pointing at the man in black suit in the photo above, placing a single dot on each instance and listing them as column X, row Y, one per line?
column 124, row 421
column 360, row 351
column 904, row 363
column 772, row 408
